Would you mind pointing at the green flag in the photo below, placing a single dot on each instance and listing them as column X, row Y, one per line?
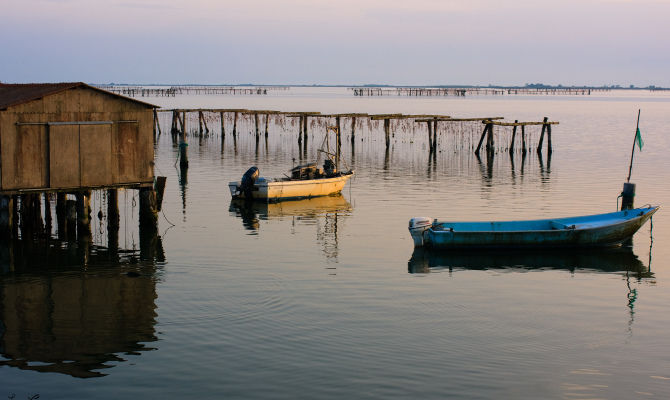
column 638, row 139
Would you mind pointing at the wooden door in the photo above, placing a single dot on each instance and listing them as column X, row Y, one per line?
column 95, row 146
column 64, row 166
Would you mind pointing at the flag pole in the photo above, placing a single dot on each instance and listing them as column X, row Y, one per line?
column 630, row 168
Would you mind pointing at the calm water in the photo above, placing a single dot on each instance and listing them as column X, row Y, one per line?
column 325, row 298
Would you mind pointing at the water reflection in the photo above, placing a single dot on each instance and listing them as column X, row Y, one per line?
column 324, row 212
column 603, row 260
column 74, row 308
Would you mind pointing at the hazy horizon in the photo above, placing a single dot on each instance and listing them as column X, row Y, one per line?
column 305, row 42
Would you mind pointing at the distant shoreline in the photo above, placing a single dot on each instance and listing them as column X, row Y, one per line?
column 529, row 86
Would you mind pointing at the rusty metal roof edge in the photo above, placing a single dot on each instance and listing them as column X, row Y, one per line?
column 54, row 88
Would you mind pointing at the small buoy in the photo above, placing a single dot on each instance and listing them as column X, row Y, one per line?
column 100, row 214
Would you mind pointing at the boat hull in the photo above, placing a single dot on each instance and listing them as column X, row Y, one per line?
column 601, row 230
column 272, row 191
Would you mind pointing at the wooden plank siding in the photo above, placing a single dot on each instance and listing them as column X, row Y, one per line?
column 76, row 138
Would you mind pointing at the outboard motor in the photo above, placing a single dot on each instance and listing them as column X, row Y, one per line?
column 248, row 180
column 417, row 226
column 329, row 167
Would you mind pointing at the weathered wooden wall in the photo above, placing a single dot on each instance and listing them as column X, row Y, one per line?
column 63, row 151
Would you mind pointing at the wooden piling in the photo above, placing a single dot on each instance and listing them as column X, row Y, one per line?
column 353, row 129
column 549, row 147
column 200, row 121
column 267, row 119
column 430, row 136
column 47, row 215
column 511, row 145
column 235, row 126
column 113, row 220
column 304, row 133
column 300, row 128
column 183, row 150
column 523, row 139
column 434, row 135
column 256, row 120
column 61, row 225
column 15, row 216
column 481, row 139
column 490, row 142
column 148, row 210
column 387, row 131
column 6, row 217
column 544, row 128
column 71, row 219
column 83, row 201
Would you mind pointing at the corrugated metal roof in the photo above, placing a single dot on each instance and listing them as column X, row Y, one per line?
column 12, row 94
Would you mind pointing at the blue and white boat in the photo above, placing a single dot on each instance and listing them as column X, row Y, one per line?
column 601, row 230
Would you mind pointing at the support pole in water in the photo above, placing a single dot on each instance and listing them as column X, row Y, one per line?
column 113, row 219
column 544, row 129
column 6, row 214
column 235, row 127
column 511, row 144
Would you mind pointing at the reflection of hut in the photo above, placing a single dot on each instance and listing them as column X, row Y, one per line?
column 74, row 321
column 71, row 137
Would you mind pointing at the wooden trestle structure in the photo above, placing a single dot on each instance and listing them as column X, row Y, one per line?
column 261, row 120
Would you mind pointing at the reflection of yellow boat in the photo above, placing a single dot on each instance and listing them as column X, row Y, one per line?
column 604, row 260
column 251, row 212
column 306, row 207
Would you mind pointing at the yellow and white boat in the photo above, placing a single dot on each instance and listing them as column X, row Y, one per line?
column 305, row 181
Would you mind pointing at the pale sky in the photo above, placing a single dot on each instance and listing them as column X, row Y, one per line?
column 410, row 42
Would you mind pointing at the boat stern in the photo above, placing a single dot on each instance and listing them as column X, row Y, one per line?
column 417, row 226
column 234, row 189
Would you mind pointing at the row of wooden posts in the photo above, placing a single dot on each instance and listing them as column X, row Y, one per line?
column 462, row 92
column 178, row 126
column 142, row 91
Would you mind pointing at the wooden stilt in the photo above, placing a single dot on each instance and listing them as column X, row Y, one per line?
column 544, row 128
column 71, row 219
column 490, row 141
column 60, row 216
column 387, row 131
column 434, row 135
column 6, row 217
column 148, row 209
column 481, row 139
column 113, row 220
column 235, row 126
column 200, row 123
column 15, row 216
column 305, row 135
column 430, row 136
column 549, row 147
column 511, row 144
column 47, row 215
column 267, row 119
column 523, row 139
column 353, row 129
column 83, row 200
column 256, row 120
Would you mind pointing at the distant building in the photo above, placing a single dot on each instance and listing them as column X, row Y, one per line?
column 60, row 136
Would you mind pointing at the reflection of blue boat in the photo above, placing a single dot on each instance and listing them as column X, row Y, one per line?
column 586, row 231
column 603, row 260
